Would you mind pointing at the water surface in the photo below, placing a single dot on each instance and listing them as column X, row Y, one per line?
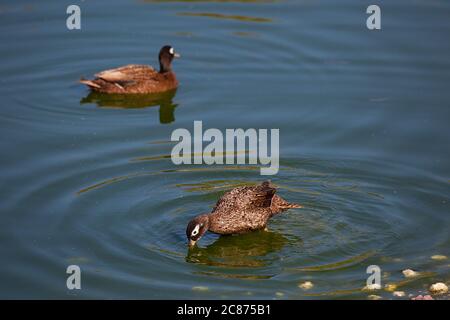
column 87, row 179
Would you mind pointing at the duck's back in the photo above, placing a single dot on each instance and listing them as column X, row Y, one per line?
column 242, row 209
column 132, row 78
column 130, row 72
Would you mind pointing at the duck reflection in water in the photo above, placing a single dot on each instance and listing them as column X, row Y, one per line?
column 244, row 250
column 135, row 101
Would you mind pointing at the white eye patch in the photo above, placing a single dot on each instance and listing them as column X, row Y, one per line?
column 171, row 51
column 195, row 231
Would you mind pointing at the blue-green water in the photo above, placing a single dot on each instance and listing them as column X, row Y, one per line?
column 364, row 145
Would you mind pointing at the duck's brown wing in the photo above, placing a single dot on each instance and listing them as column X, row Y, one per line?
column 128, row 73
column 245, row 198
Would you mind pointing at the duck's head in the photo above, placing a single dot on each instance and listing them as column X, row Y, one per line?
column 196, row 228
column 166, row 55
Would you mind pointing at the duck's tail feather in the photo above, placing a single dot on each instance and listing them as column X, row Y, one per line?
column 288, row 205
column 280, row 205
column 90, row 83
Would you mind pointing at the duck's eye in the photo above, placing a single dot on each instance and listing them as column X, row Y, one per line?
column 171, row 51
column 195, row 231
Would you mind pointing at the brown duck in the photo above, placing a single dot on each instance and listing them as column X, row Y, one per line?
column 137, row 79
column 240, row 210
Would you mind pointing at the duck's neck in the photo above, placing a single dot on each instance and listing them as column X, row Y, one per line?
column 164, row 67
column 205, row 218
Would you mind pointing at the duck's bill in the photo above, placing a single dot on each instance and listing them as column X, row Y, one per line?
column 192, row 243
column 177, row 55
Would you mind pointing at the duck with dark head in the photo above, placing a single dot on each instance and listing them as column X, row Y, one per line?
column 240, row 210
column 166, row 55
column 137, row 79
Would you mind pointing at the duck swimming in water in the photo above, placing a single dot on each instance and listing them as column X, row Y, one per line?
column 137, row 79
column 240, row 210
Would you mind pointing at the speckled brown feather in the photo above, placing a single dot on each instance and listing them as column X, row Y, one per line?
column 135, row 79
column 246, row 209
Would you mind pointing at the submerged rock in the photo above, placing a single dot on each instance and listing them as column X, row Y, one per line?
column 371, row 287
column 439, row 257
column 390, row 287
column 399, row 293
column 408, row 273
column 306, row 285
column 374, row 297
column 200, row 288
column 438, row 288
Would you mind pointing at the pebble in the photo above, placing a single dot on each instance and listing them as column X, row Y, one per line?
column 408, row 273
column 421, row 297
column 374, row 297
column 439, row 257
column 399, row 293
column 438, row 288
column 306, row 285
